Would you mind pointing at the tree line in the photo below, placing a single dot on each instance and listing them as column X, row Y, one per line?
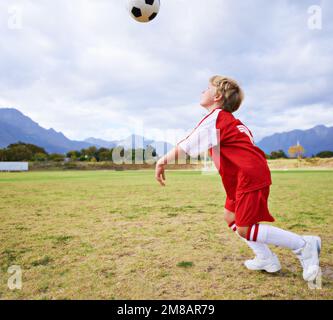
column 297, row 151
column 29, row 152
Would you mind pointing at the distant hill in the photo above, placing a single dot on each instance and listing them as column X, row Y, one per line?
column 15, row 126
column 319, row 138
column 133, row 142
column 100, row 143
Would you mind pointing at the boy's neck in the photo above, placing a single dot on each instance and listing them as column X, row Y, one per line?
column 212, row 107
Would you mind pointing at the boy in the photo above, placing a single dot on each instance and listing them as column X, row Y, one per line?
column 246, row 179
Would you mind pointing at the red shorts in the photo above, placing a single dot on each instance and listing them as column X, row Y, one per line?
column 250, row 207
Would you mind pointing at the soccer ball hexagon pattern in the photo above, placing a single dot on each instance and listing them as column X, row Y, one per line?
column 143, row 10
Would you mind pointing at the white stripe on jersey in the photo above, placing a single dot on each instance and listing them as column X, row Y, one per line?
column 203, row 137
column 245, row 130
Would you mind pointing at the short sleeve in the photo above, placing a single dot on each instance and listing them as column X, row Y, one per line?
column 203, row 137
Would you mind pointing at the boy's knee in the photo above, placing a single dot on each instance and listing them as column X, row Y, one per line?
column 242, row 231
column 229, row 216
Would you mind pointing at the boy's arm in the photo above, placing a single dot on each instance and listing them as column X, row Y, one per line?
column 170, row 157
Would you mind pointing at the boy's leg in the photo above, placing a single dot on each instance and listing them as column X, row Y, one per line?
column 307, row 249
column 252, row 207
column 264, row 258
column 266, row 234
column 261, row 250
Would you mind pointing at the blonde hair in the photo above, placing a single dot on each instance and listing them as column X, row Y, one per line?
column 232, row 94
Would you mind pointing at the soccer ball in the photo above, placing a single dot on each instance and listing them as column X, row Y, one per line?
column 143, row 10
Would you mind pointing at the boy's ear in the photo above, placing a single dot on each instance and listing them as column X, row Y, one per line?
column 218, row 97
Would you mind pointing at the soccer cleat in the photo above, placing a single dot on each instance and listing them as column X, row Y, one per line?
column 309, row 257
column 271, row 264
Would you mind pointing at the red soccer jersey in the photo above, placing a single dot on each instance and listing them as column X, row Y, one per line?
column 242, row 165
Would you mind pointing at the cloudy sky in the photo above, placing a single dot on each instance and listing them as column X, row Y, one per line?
column 87, row 69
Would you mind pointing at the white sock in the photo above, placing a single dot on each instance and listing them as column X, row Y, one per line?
column 267, row 234
column 261, row 250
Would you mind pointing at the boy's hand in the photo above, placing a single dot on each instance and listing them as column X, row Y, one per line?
column 159, row 173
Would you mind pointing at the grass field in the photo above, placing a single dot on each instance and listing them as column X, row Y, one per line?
column 119, row 235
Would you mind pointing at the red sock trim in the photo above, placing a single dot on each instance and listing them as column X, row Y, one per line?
column 256, row 232
column 230, row 224
column 248, row 233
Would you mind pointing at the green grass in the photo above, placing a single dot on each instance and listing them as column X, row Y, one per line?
column 185, row 264
column 119, row 235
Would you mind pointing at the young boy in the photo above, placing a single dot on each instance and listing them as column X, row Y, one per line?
column 246, row 179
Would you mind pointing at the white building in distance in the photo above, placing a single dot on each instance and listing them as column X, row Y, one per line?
column 14, row 166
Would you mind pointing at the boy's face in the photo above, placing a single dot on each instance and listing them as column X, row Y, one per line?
column 208, row 97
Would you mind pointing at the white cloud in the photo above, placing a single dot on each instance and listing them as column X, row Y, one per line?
column 85, row 68
column 290, row 119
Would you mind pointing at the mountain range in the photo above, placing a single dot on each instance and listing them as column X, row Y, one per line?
column 314, row 140
column 133, row 142
column 15, row 126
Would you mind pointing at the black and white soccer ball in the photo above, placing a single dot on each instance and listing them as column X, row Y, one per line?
column 143, row 10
